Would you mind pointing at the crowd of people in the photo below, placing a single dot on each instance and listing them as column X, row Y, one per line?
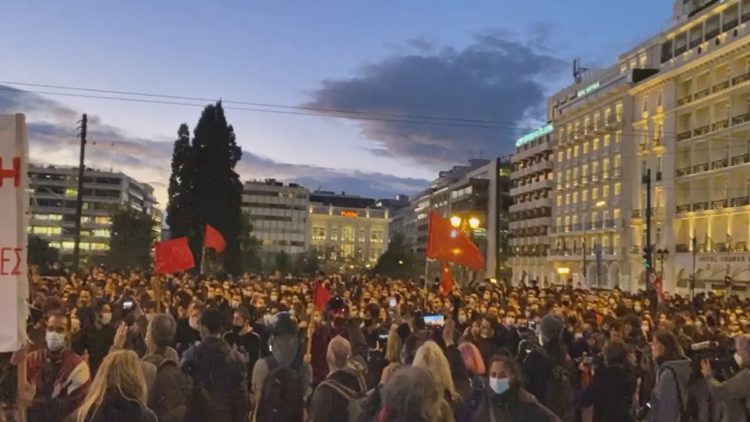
column 125, row 346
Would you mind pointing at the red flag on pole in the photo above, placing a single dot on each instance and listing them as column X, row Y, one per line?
column 213, row 239
column 321, row 296
column 446, row 281
column 173, row 256
column 449, row 244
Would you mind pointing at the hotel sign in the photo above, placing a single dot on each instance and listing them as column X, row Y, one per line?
column 538, row 133
column 349, row 213
column 589, row 89
column 724, row 258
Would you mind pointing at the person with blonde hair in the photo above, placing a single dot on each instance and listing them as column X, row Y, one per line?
column 430, row 356
column 118, row 392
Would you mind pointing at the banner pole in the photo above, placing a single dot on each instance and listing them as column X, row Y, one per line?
column 203, row 260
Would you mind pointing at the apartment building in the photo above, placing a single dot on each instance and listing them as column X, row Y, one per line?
column 532, row 186
column 693, row 119
column 347, row 229
column 53, row 194
column 278, row 213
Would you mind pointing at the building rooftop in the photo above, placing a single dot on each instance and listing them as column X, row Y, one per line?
column 341, row 200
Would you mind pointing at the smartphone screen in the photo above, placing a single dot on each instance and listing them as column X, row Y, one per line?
column 434, row 320
column 128, row 304
column 392, row 303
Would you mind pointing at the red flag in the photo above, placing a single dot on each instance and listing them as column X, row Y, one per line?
column 213, row 239
column 449, row 244
column 173, row 256
column 321, row 296
column 446, row 281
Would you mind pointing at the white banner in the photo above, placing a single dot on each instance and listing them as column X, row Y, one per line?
column 14, row 204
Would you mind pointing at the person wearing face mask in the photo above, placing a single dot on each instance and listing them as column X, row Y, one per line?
column 505, row 400
column 244, row 339
column 187, row 328
column 58, row 378
column 734, row 394
column 612, row 389
column 95, row 340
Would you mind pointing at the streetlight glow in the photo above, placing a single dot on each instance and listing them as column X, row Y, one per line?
column 455, row 221
column 474, row 223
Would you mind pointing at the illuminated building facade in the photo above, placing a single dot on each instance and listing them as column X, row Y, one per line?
column 532, row 185
column 348, row 229
column 53, row 192
column 693, row 129
column 278, row 213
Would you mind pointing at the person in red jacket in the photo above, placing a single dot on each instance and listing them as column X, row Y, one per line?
column 336, row 324
column 58, row 378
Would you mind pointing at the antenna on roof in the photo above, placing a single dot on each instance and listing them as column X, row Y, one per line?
column 578, row 70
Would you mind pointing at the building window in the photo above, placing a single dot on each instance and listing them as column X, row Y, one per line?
column 334, row 234
column 575, row 177
column 594, row 194
column 618, row 112
column 347, row 234
column 605, row 191
column 584, row 195
column 101, row 220
column 606, row 141
column 575, row 197
column 617, row 188
column 570, row 153
column 560, row 157
column 567, row 199
column 584, row 172
column 585, row 148
column 318, row 233
column 575, row 151
column 644, row 109
column 376, row 236
column 595, row 171
column 347, row 251
column 596, row 144
column 658, row 100
column 361, row 237
column 605, row 168
column 559, row 200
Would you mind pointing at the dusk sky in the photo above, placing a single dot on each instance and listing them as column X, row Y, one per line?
column 478, row 60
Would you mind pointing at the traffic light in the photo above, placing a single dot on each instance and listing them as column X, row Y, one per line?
column 647, row 258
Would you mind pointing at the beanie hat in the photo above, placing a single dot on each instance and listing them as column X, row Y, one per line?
column 551, row 327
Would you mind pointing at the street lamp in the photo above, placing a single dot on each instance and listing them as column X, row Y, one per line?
column 456, row 221
column 474, row 223
column 660, row 254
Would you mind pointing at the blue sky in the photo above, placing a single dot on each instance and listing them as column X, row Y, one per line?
column 283, row 52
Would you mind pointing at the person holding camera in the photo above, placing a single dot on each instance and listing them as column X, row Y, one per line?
column 734, row 393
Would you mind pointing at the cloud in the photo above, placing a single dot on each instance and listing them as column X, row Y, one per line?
column 497, row 77
column 52, row 128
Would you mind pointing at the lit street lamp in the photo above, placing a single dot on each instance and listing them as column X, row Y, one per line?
column 456, row 221
column 474, row 223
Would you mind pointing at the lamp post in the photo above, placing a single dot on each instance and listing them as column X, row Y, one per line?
column 661, row 254
column 467, row 226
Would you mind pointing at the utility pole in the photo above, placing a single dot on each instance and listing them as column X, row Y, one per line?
column 648, row 253
column 79, row 197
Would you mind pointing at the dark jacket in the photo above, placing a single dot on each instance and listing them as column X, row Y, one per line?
column 329, row 404
column 116, row 408
column 513, row 406
column 219, row 382
column 97, row 340
column 611, row 393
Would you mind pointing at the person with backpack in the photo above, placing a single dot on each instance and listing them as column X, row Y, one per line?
column 218, row 374
column 612, row 389
column 282, row 398
column 340, row 396
column 168, row 386
column 285, row 345
column 548, row 372
column 669, row 397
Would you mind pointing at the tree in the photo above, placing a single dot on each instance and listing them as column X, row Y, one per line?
column 131, row 238
column 204, row 188
column 180, row 213
column 250, row 261
column 398, row 260
column 282, row 263
column 41, row 254
column 307, row 263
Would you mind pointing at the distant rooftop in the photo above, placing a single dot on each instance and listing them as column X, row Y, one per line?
column 341, row 199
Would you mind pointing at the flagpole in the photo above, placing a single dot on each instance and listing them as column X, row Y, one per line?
column 203, row 260
column 426, row 280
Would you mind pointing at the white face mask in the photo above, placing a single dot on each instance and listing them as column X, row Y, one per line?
column 235, row 304
column 499, row 385
column 55, row 341
column 193, row 322
column 106, row 318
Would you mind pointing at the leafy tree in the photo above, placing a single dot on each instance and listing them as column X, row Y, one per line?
column 282, row 262
column 131, row 238
column 307, row 263
column 398, row 260
column 204, row 188
column 41, row 254
column 249, row 247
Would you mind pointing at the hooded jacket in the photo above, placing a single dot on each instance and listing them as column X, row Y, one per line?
column 671, row 377
column 284, row 353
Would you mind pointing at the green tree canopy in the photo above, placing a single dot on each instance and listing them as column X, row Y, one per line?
column 398, row 260
column 41, row 254
column 132, row 235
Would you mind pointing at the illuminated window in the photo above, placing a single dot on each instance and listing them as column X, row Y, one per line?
column 618, row 112
column 570, row 153
column 560, row 156
column 559, row 200
column 71, row 192
column 585, row 196
column 616, row 163
column 575, row 151
column 101, row 220
column 594, row 194
column 68, row 245
column 596, row 144
column 585, row 147
column 616, row 214
column 567, row 199
column 584, row 173
column 594, row 218
column 568, row 178
column 99, row 247
column 575, row 197
column 595, row 171
column 101, row 232
column 567, row 223
column 335, row 233
column 347, row 234
column 607, row 114
column 618, row 137
column 575, row 176
column 606, row 141
column 347, row 251
column 617, row 188
column 361, row 237
column 605, row 191
column 605, row 168
column 376, row 236
column 48, row 231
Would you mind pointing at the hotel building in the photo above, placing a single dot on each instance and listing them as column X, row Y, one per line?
column 531, row 190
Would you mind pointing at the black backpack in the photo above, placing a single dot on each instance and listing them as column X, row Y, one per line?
column 209, row 401
column 171, row 392
column 282, row 397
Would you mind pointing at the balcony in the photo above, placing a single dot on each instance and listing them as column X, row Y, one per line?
column 720, row 164
column 685, row 100
column 699, row 168
column 684, row 135
column 702, row 93
column 682, row 248
column 702, row 130
column 685, row 171
column 740, row 79
column 720, row 204
column 741, row 159
column 682, row 209
column 641, row 213
column 740, row 119
column 720, row 86
column 741, row 201
column 720, row 125
column 700, row 206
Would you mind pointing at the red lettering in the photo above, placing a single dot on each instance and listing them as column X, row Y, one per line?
column 10, row 261
column 14, row 173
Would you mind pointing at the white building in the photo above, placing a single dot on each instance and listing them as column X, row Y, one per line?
column 53, row 193
column 278, row 213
